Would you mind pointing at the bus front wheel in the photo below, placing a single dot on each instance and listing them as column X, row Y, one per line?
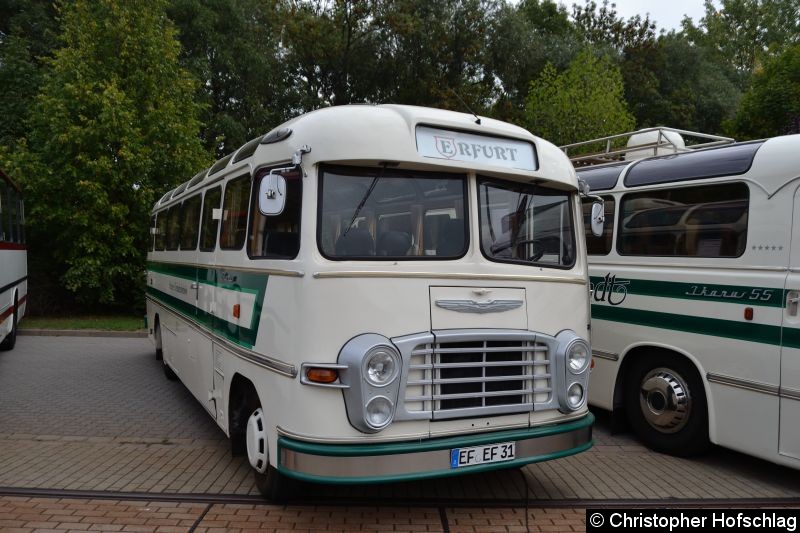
column 270, row 482
column 11, row 339
column 666, row 405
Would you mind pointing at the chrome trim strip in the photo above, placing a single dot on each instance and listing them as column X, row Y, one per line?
column 444, row 275
column 745, row 268
column 270, row 271
column 305, row 381
column 600, row 354
column 790, row 394
column 416, row 462
column 264, row 361
column 746, row 384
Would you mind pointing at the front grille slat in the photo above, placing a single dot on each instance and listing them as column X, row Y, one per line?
column 479, row 376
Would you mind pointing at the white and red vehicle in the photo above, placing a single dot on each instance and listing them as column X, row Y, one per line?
column 13, row 261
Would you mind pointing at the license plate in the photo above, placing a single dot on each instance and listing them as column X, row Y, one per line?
column 479, row 455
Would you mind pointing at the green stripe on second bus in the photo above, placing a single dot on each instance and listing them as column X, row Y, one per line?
column 705, row 292
column 731, row 329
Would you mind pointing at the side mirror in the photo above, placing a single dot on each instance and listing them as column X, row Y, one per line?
column 598, row 219
column 272, row 195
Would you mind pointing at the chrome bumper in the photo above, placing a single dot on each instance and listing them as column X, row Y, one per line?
column 401, row 461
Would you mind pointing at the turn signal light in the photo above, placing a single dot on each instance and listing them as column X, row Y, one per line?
column 748, row 313
column 236, row 310
column 322, row 375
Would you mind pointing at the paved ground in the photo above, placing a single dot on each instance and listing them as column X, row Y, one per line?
column 36, row 514
column 97, row 414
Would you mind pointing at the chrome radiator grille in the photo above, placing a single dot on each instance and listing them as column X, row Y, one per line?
column 478, row 377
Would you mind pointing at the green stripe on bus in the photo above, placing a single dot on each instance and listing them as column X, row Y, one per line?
column 739, row 294
column 715, row 327
column 223, row 278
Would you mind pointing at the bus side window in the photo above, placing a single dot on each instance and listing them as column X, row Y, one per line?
column 234, row 214
column 699, row 221
column 21, row 221
column 13, row 228
column 161, row 230
column 173, row 227
column 277, row 236
column 209, row 225
column 190, row 219
column 599, row 245
column 152, row 232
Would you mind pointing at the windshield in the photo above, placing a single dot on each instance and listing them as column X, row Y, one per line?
column 380, row 213
column 524, row 223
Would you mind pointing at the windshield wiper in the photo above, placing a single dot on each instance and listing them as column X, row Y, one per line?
column 365, row 198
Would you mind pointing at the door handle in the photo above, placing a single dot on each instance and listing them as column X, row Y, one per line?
column 792, row 301
column 195, row 285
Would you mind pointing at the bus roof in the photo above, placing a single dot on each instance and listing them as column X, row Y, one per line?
column 370, row 134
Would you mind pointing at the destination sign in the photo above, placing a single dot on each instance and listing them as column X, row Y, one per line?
column 460, row 146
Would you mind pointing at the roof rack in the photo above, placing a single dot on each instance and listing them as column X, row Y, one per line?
column 659, row 142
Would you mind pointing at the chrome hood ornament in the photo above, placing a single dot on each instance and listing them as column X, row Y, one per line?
column 472, row 306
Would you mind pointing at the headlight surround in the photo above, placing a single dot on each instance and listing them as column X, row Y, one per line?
column 575, row 395
column 379, row 412
column 380, row 366
column 578, row 356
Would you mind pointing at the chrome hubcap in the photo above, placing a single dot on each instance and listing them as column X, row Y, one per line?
column 665, row 400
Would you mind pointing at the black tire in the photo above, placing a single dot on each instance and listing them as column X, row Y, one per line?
column 157, row 337
column 168, row 372
column 11, row 339
column 275, row 486
column 666, row 404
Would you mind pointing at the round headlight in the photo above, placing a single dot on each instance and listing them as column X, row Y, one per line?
column 575, row 395
column 379, row 412
column 578, row 357
column 380, row 367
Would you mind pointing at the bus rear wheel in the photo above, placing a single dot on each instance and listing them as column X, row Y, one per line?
column 11, row 339
column 168, row 372
column 666, row 405
column 270, row 482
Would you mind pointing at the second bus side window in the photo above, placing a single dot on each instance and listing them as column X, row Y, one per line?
column 234, row 214
column 173, row 227
column 704, row 221
column 161, row 229
column 209, row 225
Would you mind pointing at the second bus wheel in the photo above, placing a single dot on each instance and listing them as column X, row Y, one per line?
column 270, row 482
column 666, row 404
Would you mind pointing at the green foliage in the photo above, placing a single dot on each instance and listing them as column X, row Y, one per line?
column 584, row 102
column 772, row 104
column 603, row 26
column 672, row 83
column 114, row 124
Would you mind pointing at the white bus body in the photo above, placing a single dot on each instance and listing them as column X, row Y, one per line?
column 359, row 333
column 13, row 261
column 695, row 324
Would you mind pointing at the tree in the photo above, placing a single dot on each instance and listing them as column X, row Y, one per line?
column 114, row 125
column 673, row 83
column 603, row 26
column 234, row 48
column 584, row 102
column 772, row 104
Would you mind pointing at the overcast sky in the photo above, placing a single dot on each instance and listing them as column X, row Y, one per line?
column 667, row 14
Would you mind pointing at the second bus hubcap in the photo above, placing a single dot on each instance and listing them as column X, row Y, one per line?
column 665, row 401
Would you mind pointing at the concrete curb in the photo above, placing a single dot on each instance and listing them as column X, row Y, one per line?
column 82, row 333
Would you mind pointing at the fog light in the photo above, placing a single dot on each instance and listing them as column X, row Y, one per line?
column 380, row 367
column 575, row 395
column 379, row 412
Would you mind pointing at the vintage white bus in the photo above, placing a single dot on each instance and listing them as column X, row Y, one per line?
column 378, row 293
column 695, row 325
column 13, row 261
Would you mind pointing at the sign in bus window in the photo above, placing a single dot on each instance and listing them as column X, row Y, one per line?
column 234, row 214
column 208, row 231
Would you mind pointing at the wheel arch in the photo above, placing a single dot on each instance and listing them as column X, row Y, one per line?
column 242, row 396
column 636, row 351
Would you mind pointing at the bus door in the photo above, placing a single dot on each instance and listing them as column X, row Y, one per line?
column 790, row 350
column 199, row 359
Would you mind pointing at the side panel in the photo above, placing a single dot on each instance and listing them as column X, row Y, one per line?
column 790, row 351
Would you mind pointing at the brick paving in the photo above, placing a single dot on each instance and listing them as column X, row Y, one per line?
column 97, row 414
column 29, row 515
